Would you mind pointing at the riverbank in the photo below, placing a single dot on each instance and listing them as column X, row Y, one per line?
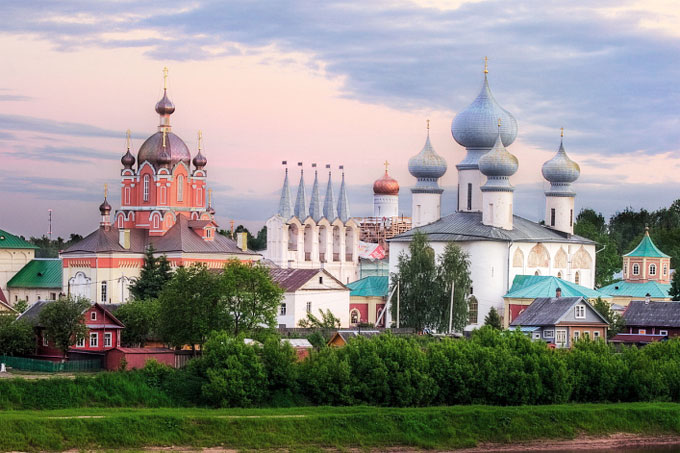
column 319, row 428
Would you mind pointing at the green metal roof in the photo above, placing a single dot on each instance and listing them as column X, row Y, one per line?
column 370, row 287
column 38, row 273
column 655, row 289
column 535, row 286
column 646, row 248
column 10, row 241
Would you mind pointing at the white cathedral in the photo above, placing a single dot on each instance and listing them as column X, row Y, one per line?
column 500, row 244
column 303, row 237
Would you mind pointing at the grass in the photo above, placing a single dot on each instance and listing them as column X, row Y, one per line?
column 316, row 428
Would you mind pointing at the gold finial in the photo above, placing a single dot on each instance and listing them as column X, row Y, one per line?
column 164, row 132
column 165, row 78
column 127, row 139
column 106, row 191
column 486, row 65
column 200, row 140
column 561, row 132
column 428, row 124
column 386, row 164
column 499, row 123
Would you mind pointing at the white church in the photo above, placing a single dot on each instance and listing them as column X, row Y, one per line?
column 500, row 244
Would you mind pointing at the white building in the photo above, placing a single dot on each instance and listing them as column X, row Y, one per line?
column 313, row 238
column 308, row 291
column 500, row 244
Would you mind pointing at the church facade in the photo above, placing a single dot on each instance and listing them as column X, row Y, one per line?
column 163, row 205
column 500, row 245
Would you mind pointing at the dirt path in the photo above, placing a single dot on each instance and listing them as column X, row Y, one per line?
column 611, row 442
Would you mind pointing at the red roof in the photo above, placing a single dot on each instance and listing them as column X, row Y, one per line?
column 145, row 350
column 637, row 338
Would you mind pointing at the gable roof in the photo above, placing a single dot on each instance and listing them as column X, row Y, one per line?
column 10, row 241
column 347, row 335
column 652, row 314
column 32, row 313
column 632, row 289
column 646, row 248
column 290, row 280
column 535, row 286
column 38, row 273
column 468, row 226
column 373, row 286
column 179, row 238
column 547, row 311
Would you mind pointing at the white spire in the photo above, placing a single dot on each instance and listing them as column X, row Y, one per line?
column 343, row 203
column 301, row 201
column 329, row 211
column 285, row 204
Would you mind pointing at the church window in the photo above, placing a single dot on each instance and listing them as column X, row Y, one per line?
column 127, row 195
column 180, row 188
column 146, row 187
column 473, row 310
column 309, row 307
column 156, row 221
column 104, row 295
column 552, row 216
column 665, row 269
column 636, row 269
column 355, row 317
column 652, row 269
column 163, row 195
column 282, row 310
column 577, row 278
column 199, row 196
column 469, row 197
column 121, row 221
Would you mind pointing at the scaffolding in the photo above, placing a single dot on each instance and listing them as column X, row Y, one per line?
column 377, row 230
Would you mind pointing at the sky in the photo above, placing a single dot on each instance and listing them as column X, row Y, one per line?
column 336, row 82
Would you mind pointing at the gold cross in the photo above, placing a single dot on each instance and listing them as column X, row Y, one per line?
column 200, row 139
column 428, row 124
column 561, row 132
column 164, row 132
column 106, row 190
column 165, row 78
column 386, row 165
column 127, row 138
column 486, row 65
column 499, row 122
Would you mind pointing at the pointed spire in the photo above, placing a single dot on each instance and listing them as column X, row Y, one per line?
column 315, row 202
column 285, row 204
column 343, row 203
column 329, row 211
column 301, row 200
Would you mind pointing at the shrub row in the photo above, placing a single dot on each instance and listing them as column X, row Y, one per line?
column 494, row 368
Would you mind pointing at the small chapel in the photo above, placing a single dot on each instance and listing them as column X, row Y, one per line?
column 163, row 205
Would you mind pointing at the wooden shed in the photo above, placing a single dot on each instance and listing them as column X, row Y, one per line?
column 137, row 357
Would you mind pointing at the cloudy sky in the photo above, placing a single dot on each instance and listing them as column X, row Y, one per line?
column 342, row 82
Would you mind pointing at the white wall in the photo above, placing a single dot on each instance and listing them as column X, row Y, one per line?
column 425, row 208
column 11, row 262
column 385, row 206
column 564, row 213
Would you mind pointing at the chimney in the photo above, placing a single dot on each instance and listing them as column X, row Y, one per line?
column 124, row 238
column 648, row 298
column 242, row 241
column 558, row 292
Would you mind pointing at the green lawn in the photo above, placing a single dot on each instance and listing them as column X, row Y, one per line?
column 318, row 427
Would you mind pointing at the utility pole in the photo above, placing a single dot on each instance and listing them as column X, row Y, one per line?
column 451, row 309
column 49, row 233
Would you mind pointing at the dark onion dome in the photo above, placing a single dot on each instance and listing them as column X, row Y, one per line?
column 498, row 163
column 165, row 105
column 476, row 126
column 561, row 169
column 128, row 160
column 105, row 208
column 211, row 210
column 386, row 185
column 175, row 147
column 200, row 160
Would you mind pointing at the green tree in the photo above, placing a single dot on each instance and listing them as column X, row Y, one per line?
column 591, row 225
column 189, row 307
column 16, row 336
column 20, row 306
column 493, row 319
column 454, row 267
column 327, row 320
column 248, row 296
column 419, row 294
column 141, row 321
column 616, row 321
column 153, row 277
column 674, row 292
column 63, row 321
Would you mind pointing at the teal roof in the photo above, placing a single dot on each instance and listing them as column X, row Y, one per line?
column 10, row 241
column 535, row 286
column 38, row 273
column 640, row 290
column 370, row 287
column 646, row 248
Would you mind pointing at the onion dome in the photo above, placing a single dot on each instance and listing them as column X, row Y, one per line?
column 498, row 165
column 128, row 160
column 476, row 126
column 561, row 171
column 174, row 146
column 386, row 185
column 165, row 105
column 200, row 161
column 427, row 166
column 105, row 207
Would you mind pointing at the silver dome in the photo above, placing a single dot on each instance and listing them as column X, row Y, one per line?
column 498, row 165
column 427, row 163
column 476, row 126
column 561, row 169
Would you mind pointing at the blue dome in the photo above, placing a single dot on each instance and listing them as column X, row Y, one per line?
column 476, row 126
column 427, row 163
column 498, row 163
column 560, row 169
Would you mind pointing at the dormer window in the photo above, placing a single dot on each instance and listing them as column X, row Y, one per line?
column 93, row 316
column 580, row 311
column 208, row 233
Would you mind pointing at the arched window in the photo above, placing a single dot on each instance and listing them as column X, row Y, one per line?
column 156, row 221
column 665, row 269
column 104, row 295
column 146, row 187
column 652, row 269
column 354, row 316
column 577, row 278
column 636, row 269
column 180, row 188
column 121, row 221
column 473, row 310
column 537, row 273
